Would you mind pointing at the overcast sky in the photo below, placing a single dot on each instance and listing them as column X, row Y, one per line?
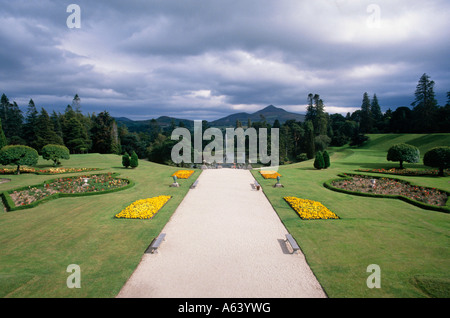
column 205, row 59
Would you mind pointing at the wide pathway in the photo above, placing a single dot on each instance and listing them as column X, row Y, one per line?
column 224, row 240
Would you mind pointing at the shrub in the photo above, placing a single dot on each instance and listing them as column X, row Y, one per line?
column 326, row 159
column 18, row 155
column 438, row 157
column 403, row 152
column 319, row 162
column 134, row 160
column 126, row 160
column 302, row 157
column 55, row 153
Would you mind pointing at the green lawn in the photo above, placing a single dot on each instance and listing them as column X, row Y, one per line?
column 38, row 244
column 410, row 244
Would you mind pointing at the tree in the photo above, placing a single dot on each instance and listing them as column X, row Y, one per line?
column 45, row 133
column 18, row 155
column 126, row 160
column 438, row 157
column 309, row 140
column 11, row 117
column 425, row 105
column 29, row 127
column 319, row 163
column 76, row 138
column 105, row 136
column 315, row 112
column 3, row 141
column 366, row 123
column 134, row 160
column 403, row 153
column 326, row 159
column 55, row 153
column 401, row 120
column 377, row 115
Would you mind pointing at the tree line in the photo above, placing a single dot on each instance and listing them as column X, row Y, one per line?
column 298, row 140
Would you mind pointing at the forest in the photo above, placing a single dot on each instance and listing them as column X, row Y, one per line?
column 99, row 133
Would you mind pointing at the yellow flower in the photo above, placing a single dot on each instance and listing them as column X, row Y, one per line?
column 269, row 174
column 310, row 210
column 183, row 174
column 144, row 209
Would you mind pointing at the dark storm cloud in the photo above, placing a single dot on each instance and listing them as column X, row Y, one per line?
column 204, row 59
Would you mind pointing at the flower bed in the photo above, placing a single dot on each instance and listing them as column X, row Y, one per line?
column 30, row 196
column 267, row 174
column 45, row 171
column 310, row 210
column 143, row 209
column 429, row 198
column 406, row 172
column 183, row 174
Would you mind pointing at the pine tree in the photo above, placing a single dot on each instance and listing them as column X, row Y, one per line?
column 366, row 122
column 134, row 160
column 309, row 139
column 126, row 160
column 425, row 106
column 326, row 159
column 11, row 117
column 319, row 162
column 375, row 109
column 29, row 127
column 3, row 141
column 45, row 133
column 104, row 136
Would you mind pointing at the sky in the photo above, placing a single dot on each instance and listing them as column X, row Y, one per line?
column 205, row 59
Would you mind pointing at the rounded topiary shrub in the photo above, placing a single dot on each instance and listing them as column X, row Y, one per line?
column 403, row 153
column 55, row 153
column 18, row 155
column 438, row 157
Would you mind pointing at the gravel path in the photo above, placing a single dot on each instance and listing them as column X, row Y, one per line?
column 224, row 240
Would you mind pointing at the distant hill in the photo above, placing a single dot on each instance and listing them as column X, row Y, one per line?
column 270, row 113
column 142, row 125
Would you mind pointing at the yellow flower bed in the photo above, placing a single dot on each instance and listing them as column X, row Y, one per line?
column 183, row 174
column 144, row 209
column 268, row 174
column 310, row 210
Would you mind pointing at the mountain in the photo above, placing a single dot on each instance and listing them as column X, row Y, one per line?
column 270, row 113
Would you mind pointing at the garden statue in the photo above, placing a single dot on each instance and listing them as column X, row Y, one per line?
column 373, row 181
column 278, row 184
column 175, row 183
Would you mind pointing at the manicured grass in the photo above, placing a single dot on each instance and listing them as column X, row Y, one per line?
column 410, row 244
column 38, row 244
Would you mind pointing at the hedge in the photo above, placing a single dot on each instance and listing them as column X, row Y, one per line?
column 328, row 185
column 10, row 206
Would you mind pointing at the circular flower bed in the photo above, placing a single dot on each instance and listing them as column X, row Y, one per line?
column 310, row 210
column 387, row 186
column 143, row 209
column 69, row 185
